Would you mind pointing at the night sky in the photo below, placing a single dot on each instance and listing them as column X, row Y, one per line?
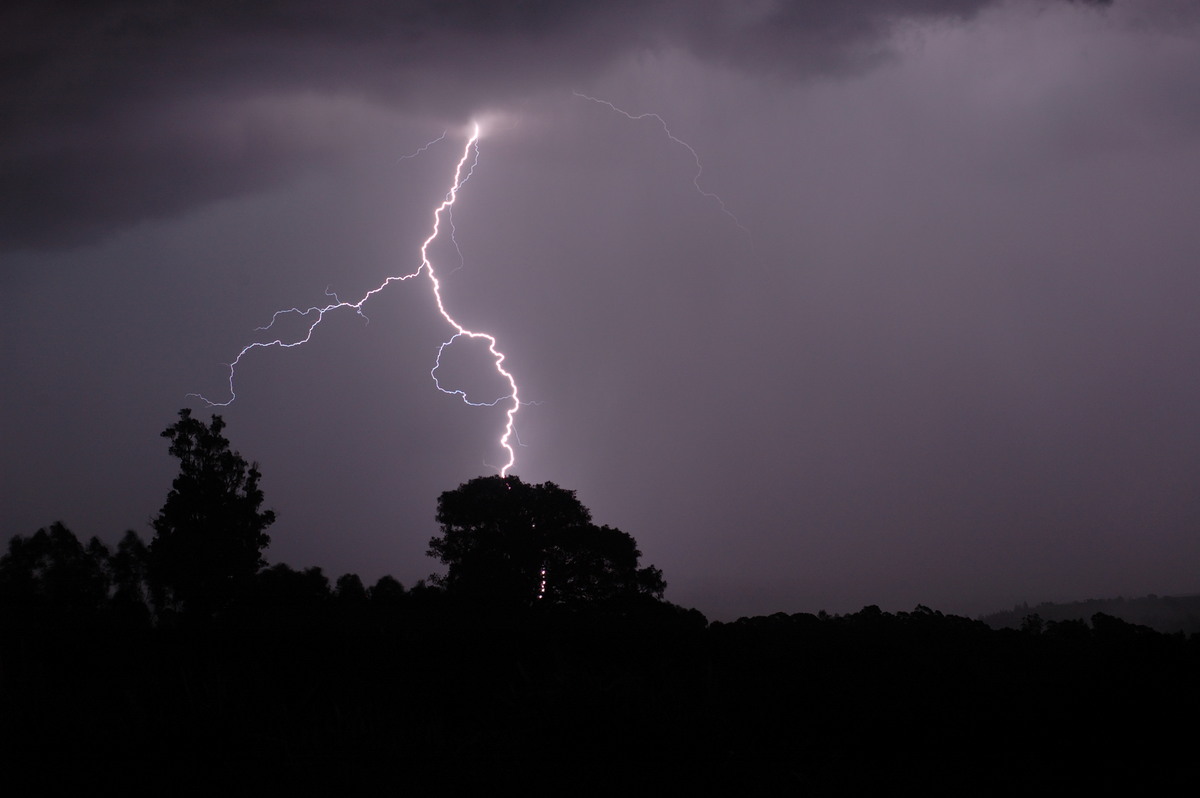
column 949, row 356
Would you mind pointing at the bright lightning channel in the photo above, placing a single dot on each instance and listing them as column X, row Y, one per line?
column 691, row 150
column 467, row 162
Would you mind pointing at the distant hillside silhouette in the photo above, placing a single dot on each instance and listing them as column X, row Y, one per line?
column 1168, row 614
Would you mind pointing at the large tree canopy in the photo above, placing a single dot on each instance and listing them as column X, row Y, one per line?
column 210, row 533
column 508, row 542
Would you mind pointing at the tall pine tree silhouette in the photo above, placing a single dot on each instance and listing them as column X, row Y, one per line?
column 210, row 533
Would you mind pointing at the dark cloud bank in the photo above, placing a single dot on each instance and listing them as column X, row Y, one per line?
column 120, row 111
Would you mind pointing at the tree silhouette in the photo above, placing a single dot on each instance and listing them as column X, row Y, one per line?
column 508, row 542
column 53, row 576
column 127, row 569
column 210, row 533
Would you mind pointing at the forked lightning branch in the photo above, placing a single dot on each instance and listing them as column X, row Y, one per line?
column 316, row 314
column 462, row 172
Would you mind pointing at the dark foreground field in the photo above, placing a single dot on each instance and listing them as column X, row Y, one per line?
column 411, row 691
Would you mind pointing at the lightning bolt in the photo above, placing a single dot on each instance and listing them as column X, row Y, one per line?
column 466, row 163
column 691, row 151
column 423, row 147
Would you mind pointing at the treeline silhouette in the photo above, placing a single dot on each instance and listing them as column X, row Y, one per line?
column 1161, row 613
column 544, row 660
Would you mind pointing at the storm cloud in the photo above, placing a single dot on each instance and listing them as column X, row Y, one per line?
column 118, row 112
